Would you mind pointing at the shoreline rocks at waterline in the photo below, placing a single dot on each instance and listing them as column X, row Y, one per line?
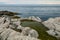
column 32, row 18
column 53, row 24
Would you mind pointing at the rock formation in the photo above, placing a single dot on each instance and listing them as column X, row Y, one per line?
column 33, row 18
column 54, row 25
column 12, row 30
column 8, row 13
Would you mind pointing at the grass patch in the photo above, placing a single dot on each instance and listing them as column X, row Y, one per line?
column 40, row 28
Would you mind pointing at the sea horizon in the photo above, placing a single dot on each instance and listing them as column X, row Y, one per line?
column 44, row 11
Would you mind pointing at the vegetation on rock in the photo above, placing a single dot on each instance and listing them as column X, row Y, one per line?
column 40, row 28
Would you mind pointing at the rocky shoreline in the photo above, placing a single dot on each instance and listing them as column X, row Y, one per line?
column 53, row 24
column 11, row 28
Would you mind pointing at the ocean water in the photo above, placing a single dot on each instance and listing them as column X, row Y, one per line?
column 44, row 12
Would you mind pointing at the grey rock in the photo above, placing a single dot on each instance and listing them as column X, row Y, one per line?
column 9, row 30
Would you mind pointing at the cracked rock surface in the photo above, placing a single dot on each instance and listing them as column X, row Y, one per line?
column 14, row 31
column 54, row 26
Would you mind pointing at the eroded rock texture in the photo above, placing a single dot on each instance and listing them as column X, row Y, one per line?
column 54, row 25
column 12, row 30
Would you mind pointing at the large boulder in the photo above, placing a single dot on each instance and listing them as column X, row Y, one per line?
column 35, row 18
column 16, row 37
column 27, row 31
column 54, row 25
column 33, row 33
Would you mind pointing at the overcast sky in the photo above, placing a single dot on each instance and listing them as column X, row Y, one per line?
column 29, row 1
